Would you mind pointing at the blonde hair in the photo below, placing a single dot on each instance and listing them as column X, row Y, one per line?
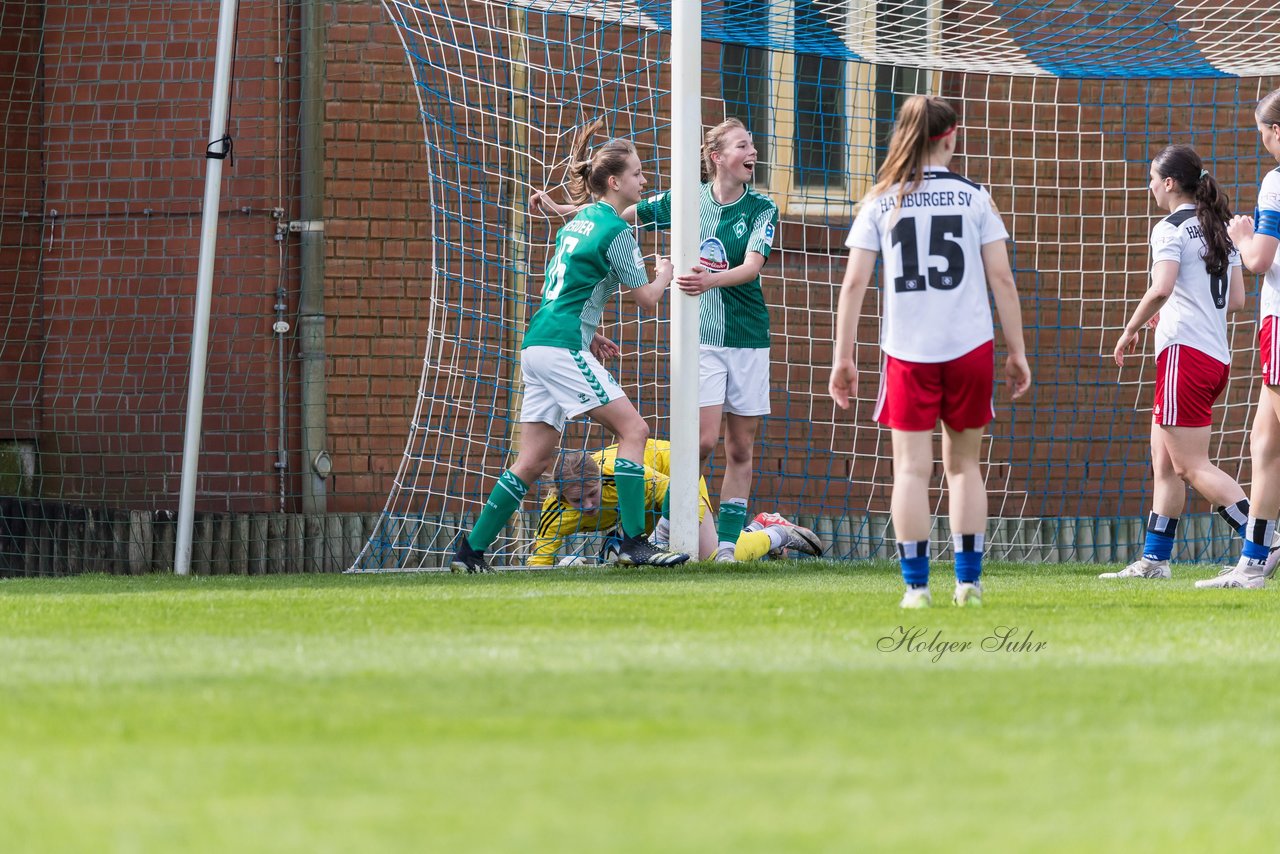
column 590, row 171
column 575, row 467
column 922, row 121
column 713, row 142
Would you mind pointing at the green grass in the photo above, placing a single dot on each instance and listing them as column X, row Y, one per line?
column 703, row 709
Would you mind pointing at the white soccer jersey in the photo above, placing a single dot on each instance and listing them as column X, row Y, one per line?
column 1196, row 313
column 936, row 306
column 1266, row 220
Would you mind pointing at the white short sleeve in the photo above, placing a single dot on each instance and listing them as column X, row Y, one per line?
column 1166, row 243
column 865, row 233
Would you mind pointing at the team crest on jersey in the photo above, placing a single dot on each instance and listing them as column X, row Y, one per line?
column 740, row 228
column 711, row 255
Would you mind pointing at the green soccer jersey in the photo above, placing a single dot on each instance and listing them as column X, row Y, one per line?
column 734, row 316
column 595, row 253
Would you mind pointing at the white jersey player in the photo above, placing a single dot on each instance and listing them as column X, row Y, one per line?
column 943, row 245
column 1195, row 282
column 1257, row 238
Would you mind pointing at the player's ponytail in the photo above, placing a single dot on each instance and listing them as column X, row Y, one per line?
column 1213, row 208
column 922, row 122
column 590, row 171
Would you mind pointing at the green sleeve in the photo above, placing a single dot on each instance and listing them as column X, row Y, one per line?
column 655, row 211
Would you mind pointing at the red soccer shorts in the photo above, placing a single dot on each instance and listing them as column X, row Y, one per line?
column 1267, row 347
column 915, row 395
column 1188, row 383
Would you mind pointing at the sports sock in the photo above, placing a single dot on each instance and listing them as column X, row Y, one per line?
column 628, row 476
column 914, row 557
column 503, row 501
column 968, row 557
column 752, row 545
column 1258, row 536
column 733, row 518
column 662, row 531
column 1160, row 533
column 1237, row 515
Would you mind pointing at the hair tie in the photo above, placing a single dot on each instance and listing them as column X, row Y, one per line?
column 1203, row 172
column 946, row 133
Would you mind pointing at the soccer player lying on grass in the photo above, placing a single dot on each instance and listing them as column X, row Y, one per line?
column 587, row 500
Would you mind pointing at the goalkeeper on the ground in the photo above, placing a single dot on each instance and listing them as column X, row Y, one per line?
column 585, row 499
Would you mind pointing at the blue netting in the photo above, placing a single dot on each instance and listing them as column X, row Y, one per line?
column 504, row 86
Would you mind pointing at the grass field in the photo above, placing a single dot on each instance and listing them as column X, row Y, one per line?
column 701, row 709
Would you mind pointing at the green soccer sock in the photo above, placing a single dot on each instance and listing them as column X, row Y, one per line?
column 733, row 518
column 628, row 476
column 503, row 501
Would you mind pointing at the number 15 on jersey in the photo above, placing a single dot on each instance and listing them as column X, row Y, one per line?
column 945, row 233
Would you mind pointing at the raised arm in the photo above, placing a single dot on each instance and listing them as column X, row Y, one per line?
column 1257, row 248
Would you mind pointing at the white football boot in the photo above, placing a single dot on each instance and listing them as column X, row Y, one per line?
column 968, row 594
column 1141, row 568
column 916, row 597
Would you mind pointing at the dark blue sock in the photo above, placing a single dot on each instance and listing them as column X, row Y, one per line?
column 1257, row 540
column 914, row 558
column 968, row 557
column 1160, row 535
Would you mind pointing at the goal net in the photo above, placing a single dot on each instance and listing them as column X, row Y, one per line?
column 1062, row 105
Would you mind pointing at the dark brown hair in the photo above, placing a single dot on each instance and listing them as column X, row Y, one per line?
column 1213, row 208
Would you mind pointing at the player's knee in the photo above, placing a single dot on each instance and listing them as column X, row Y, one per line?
column 707, row 446
column 738, row 453
column 635, row 431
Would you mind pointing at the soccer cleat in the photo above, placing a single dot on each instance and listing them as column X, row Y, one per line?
column 968, row 594
column 1247, row 575
column 612, row 543
column 469, row 560
column 1141, row 568
column 800, row 538
column 1273, row 557
column 916, row 597
column 725, row 554
column 637, row 551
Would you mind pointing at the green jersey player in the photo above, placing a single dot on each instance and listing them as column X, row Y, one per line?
column 595, row 255
column 736, row 231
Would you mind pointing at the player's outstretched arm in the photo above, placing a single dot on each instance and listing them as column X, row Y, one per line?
column 648, row 296
column 853, row 290
column 1004, row 290
column 700, row 279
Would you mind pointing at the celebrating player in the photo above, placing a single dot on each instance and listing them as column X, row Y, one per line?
column 587, row 500
column 1257, row 238
column 1195, row 283
column 943, row 244
column 595, row 253
column 736, row 230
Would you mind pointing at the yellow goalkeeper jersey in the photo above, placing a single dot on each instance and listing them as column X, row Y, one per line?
column 559, row 520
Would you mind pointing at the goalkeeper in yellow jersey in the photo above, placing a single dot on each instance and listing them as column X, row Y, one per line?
column 587, row 500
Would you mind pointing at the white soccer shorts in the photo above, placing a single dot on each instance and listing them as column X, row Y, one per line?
column 561, row 384
column 736, row 378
